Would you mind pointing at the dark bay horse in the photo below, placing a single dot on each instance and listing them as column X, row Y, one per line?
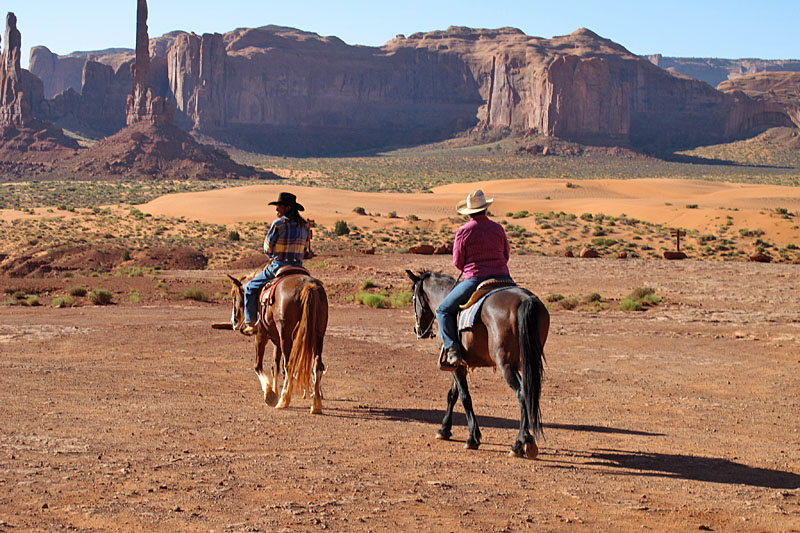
column 510, row 335
column 295, row 322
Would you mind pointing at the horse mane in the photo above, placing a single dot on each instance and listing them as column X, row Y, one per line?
column 431, row 274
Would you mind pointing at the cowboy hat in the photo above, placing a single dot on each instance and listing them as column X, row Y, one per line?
column 287, row 198
column 475, row 203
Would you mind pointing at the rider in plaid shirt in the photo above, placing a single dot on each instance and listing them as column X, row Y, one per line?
column 286, row 243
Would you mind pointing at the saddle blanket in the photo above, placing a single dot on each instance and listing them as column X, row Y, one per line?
column 466, row 318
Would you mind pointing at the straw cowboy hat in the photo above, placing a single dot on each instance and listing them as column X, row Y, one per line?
column 287, row 198
column 474, row 203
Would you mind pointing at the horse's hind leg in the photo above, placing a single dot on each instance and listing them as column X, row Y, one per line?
column 286, row 348
column 316, row 398
column 524, row 445
column 445, row 432
column 269, row 392
column 474, row 439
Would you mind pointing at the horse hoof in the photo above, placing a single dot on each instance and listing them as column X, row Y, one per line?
column 270, row 398
column 316, row 410
column 531, row 450
column 471, row 445
column 283, row 404
column 442, row 436
column 514, row 453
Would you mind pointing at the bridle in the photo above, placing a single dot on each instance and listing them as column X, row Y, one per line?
column 418, row 297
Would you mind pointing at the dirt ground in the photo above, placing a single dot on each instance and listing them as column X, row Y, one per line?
column 684, row 417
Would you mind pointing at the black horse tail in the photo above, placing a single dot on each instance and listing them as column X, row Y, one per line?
column 529, row 315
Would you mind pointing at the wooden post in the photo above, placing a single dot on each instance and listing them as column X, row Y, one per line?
column 678, row 233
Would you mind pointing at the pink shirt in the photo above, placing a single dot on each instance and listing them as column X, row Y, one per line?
column 481, row 249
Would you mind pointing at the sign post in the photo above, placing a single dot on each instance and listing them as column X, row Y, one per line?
column 678, row 233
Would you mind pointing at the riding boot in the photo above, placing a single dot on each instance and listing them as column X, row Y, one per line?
column 453, row 356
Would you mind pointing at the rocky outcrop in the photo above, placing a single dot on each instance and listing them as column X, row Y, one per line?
column 278, row 89
column 143, row 105
column 717, row 70
column 23, row 138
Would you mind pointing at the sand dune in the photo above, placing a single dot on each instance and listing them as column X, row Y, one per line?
column 662, row 201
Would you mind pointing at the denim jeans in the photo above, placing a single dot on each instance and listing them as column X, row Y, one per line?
column 447, row 311
column 253, row 288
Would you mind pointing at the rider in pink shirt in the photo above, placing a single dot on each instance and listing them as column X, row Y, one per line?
column 480, row 251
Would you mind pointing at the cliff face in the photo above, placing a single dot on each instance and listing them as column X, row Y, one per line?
column 717, row 70
column 284, row 90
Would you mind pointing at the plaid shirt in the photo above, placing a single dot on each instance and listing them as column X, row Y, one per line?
column 286, row 240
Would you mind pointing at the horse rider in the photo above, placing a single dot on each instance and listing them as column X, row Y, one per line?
column 480, row 252
column 285, row 243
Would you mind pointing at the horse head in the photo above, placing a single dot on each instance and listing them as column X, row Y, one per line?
column 237, row 297
column 423, row 312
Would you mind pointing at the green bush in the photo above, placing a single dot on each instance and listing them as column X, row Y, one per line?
column 367, row 284
column 66, row 301
column 79, row 292
column 234, row 236
column 195, row 294
column 627, row 304
column 340, row 228
column 376, row 301
column 100, row 297
column 639, row 298
column 32, row 300
column 359, row 211
column 400, row 299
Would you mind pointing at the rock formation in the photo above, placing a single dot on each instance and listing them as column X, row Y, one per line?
column 151, row 146
column 716, row 70
column 282, row 90
column 23, row 138
column 142, row 104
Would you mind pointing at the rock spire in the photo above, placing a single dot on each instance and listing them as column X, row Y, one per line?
column 143, row 105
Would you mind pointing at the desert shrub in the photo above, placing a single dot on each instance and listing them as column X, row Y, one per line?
column 100, row 297
column 66, row 301
column 126, row 255
column 359, row 211
column 392, row 214
column 571, row 185
column 234, row 236
column 79, row 292
column 32, row 300
column 691, row 206
column 19, row 295
column 569, row 303
column 340, row 228
column 639, row 298
column 195, row 294
column 367, row 284
column 375, row 301
column 400, row 299
column 134, row 297
column 412, row 218
column 744, row 232
column 602, row 242
column 586, row 216
column 520, row 214
column 554, row 298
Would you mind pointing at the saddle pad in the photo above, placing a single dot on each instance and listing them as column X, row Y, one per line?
column 268, row 291
column 466, row 317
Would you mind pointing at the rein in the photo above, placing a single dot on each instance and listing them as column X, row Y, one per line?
column 424, row 298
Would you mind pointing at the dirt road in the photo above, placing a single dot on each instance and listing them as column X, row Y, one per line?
column 683, row 417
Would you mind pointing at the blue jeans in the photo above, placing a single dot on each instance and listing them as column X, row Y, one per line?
column 447, row 311
column 253, row 288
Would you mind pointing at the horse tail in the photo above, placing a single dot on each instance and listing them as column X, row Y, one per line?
column 529, row 313
column 300, row 365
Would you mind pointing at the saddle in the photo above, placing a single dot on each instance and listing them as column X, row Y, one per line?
column 268, row 292
column 484, row 288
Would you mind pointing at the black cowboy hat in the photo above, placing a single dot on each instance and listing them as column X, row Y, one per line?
column 287, row 198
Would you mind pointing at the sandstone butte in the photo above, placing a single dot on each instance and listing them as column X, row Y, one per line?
column 149, row 146
column 286, row 90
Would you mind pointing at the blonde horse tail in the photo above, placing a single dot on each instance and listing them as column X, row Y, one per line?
column 301, row 360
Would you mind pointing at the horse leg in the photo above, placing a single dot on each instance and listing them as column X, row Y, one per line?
column 316, row 396
column 269, row 394
column 285, row 339
column 444, row 432
column 268, row 384
column 474, row 439
column 524, row 446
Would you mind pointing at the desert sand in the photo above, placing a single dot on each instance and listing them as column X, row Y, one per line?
column 660, row 201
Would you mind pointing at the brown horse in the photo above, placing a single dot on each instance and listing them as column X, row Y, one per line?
column 295, row 322
column 510, row 335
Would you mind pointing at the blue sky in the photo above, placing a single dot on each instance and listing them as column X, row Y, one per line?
column 713, row 28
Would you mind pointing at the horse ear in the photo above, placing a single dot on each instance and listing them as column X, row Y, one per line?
column 235, row 281
column 412, row 276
